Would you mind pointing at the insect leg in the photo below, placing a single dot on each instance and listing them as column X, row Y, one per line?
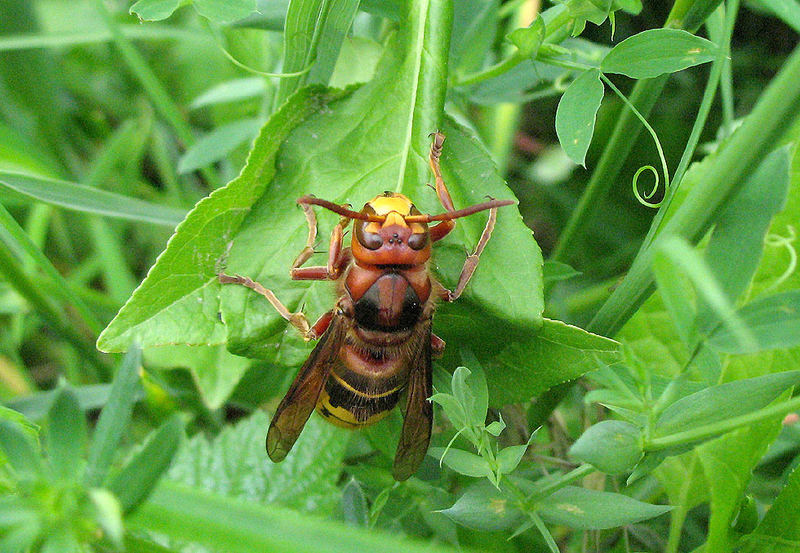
column 297, row 320
column 471, row 262
column 437, row 345
column 442, row 229
column 337, row 256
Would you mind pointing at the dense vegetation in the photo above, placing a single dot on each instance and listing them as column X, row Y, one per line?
column 629, row 390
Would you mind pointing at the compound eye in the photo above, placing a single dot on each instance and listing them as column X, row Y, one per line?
column 418, row 241
column 370, row 240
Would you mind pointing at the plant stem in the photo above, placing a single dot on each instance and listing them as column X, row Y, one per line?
column 726, row 425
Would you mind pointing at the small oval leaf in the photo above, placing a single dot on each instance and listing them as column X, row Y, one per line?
column 576, row 114
column 657, row 51
column 610, row 446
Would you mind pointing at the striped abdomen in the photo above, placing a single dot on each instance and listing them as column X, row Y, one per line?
column 375, row 356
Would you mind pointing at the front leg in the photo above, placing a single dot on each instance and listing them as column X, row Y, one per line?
column 297, row 320
column 472, row 260
column 337, row 256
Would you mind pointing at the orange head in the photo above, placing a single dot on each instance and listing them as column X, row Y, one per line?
column 390, row 230
column 391, row 240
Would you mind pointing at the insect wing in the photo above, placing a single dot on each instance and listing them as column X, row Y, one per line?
column 416, row 434
column 301, row 399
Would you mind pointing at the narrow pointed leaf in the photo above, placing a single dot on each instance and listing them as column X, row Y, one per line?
column 66, row 434
column 140, row 475
column 657, row 51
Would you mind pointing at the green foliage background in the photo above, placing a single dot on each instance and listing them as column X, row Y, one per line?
column 629, row 390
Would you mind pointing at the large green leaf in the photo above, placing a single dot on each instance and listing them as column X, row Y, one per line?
column 235, row 464
column 177, row 302
column 353, row 152
column 519, row 367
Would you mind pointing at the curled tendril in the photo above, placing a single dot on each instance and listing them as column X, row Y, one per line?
column 644, row 200
column 778, row 241
column 665, row 169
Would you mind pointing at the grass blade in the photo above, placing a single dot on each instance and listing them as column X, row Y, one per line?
column 78, row 197
column 114, row 418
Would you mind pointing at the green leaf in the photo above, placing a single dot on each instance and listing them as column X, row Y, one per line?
column 576, row 114
column 737, row 242
column 496, row 427
column 463, row 462
column 336, row 26
column 677, row 294
column 779, row 531
column 509, row 458
column 452, row 408
column 678, row 253
column 17, row 417
column 234, row 464
column 774, row 322
column 66, row 435
column 177, row 302
column 217, row 144
column 20, row 449
column 731, row 399
column 231, row 91
column 555, row 271
column 353, row 167
column 89, row 199
column 155, row 10
column 354, row 504
column 140, row 475
column 524, row 367
column 304, row 19
column 528, row 39
column 610, row 446
column 357, row 62
column 657, row 51
column 224, row 11
column 114, row 418
column 584, row 509
column 215, row 371
column 483, row 507
column 35, row 406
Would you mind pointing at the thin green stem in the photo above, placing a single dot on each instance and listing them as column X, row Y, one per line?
column 152, row 86
column 491, row 72
column 721, row 427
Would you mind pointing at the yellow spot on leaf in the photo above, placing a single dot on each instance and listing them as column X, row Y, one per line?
column 498, row 506
column 570, row 508
column 694, row 51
